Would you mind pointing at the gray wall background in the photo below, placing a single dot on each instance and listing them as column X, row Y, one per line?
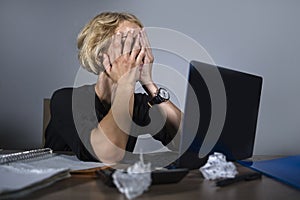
column 38, row 55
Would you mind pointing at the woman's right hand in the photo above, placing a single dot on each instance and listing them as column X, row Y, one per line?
column 122, row 61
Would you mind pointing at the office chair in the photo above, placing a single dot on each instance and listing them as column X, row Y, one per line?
column 46, row 117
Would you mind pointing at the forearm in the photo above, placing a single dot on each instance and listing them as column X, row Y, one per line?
column 174, row 116
column 110, row 138
column 172, row 113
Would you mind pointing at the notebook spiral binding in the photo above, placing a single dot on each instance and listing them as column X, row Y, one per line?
column 24, row 155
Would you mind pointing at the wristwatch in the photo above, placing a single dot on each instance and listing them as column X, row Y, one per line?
column 162, row 95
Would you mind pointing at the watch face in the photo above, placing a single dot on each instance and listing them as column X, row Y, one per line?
column 163, row 93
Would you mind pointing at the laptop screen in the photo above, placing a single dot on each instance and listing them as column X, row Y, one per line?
column 235, row 116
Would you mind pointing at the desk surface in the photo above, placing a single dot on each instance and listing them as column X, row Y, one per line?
column 191, row 187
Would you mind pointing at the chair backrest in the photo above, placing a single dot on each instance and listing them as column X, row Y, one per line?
column 46, row 117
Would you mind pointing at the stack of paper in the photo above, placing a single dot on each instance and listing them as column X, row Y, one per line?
column 24, row 176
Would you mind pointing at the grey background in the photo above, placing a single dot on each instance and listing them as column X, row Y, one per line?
column 38, row 55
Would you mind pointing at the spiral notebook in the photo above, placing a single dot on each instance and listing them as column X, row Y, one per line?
column 27, row 171
column 24, row 155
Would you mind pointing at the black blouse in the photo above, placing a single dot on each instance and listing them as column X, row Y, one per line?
column 75, row 112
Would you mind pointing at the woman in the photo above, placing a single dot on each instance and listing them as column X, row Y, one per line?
column 102, row 121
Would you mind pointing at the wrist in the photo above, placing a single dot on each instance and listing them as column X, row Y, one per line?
column 162, row 95
column 125, row 86
column 145, row 81
column 125, row 82
column 122, row 91
column 151, row 88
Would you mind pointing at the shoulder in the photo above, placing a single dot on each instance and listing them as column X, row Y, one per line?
column 64, row 96
column 67, row 92
column 62, row 93
column 61, row 97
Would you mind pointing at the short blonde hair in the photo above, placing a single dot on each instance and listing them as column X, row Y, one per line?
column 92, row 39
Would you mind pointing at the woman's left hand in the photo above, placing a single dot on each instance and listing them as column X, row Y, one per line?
column 146, row 67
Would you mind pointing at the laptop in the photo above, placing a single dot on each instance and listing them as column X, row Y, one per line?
column 236, row 113
column 220, row 115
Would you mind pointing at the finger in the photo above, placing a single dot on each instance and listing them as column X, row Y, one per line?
column 141, row 56
column 128, row 42
column 136, row 47
column 110, row 50
column 145, row 39
column 117, row 45
column 106, row 63
column 145, row 42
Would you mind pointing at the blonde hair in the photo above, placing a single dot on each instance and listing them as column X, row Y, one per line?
column 93, row 39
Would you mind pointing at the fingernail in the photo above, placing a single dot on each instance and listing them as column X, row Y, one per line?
column 118, row 33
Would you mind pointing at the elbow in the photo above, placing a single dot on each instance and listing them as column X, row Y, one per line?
column 108, row 150
column 110, row 155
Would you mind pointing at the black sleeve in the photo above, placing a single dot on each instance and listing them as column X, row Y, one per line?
column 61, row 133
column 74, row 116
column 151, row 118
column 75, row 112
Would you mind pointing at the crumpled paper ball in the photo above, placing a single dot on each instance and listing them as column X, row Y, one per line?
column 135, row 181
column 217, row 167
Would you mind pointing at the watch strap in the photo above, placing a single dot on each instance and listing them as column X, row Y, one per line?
column 156, row 100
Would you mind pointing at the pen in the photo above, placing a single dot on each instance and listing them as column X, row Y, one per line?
column 243, row 177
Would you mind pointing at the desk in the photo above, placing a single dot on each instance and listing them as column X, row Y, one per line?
column 193, row 186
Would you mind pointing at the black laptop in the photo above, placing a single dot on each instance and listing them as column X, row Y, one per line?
column 227, row 123
column 220, row 115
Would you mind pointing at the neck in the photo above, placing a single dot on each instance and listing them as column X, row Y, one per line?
column 103, row 88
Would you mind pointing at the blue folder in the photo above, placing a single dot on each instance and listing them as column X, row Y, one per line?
column 286, row 170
